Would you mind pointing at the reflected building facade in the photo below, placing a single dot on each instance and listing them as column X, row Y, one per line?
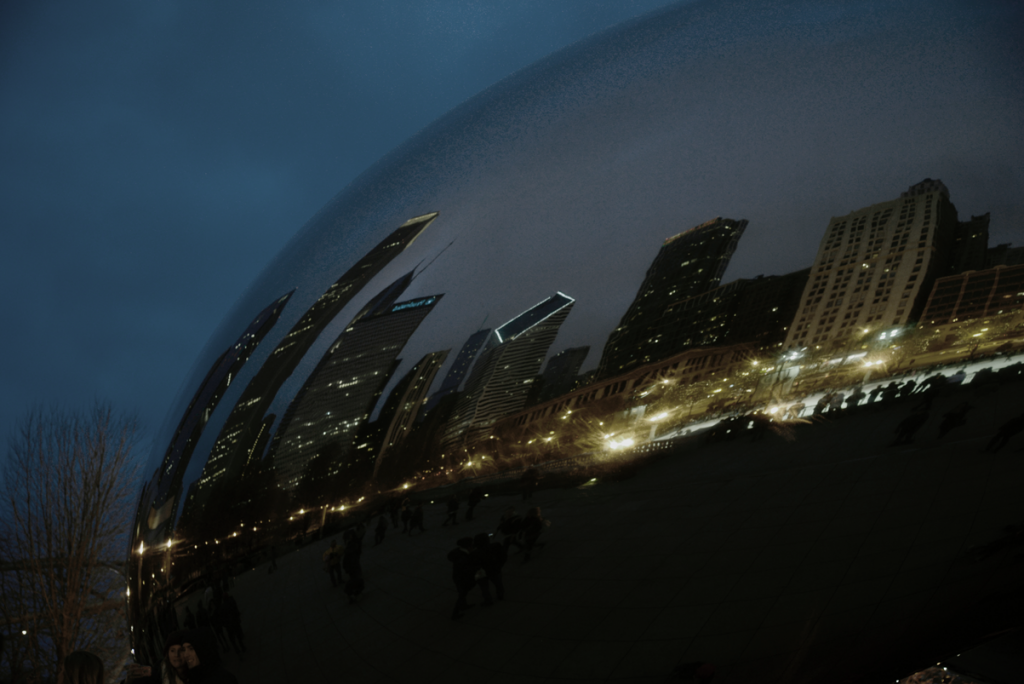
column 687, row 265
column 722, row 421
column 165, row 488
column 875, row 267
column 247, row 427
column 338, row 398
column 500, row 380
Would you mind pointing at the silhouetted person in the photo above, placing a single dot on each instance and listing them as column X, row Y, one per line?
column 510, row 526
column 907, row 388
column 954, row 418
column 190, row 619
column 1005, row 432
column 855, row 398
column 380, row 530
column 203, row 661
column 475, row 497
column 217, row 624
column 453, row 511
column 332, row 559
column 232, row 618
column 417, row 519
column 530, row 481
column 909, row 426
column 762, row 421
column 406, row 515
column 891, row 391
column 492, row 557
column 819, row 408
column 464, row 570
column 351, row 561
column 202, row 616
column 533, row 525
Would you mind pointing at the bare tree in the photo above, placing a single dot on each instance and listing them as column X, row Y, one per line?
column 68, row 484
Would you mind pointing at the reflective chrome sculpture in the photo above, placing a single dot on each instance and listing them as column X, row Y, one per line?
column 548, row 300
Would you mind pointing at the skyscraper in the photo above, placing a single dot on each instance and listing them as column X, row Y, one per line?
column 562, row 372
column 401, row 408
column 339, row 396
column 237, row 440
column 501, row 378
column 166, row 483
column 875, row 266
column 688, row 264
column 463, row 362
column 970, row 245
column 759, row 310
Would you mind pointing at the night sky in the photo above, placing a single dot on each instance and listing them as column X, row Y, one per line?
column 155, row 156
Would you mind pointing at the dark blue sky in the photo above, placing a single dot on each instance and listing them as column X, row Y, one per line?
column 155, row 156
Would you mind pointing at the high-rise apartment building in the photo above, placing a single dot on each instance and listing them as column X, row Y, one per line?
column 166, row 484
column 340, row 394
column 245, row 427
column 875, row 267
column 759, row 310
column 970, row 245
column 688, row 264
column 404, row 404
column 562, row 372
column 501, row 377
column 463, row 362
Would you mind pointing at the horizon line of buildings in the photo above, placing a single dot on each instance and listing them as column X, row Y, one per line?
column 890, row 264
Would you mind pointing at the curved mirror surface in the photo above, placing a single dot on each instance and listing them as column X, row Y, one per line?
column 671, row 353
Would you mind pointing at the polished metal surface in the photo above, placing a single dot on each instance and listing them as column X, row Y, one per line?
column 554, row 297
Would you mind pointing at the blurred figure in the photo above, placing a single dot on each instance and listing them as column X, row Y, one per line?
column 351, row 560
column 855, row 398
column 907, row 388
column 453, row 511
column 795, row 410
column 510, row 526
column 417, row 519
column 216, row 621
column 406, row 516
column 492, row 557
column 174, row 670
column 1005, row 432
column 332, row 559
column 202, row 659
column 232, row 619
column 380, row 530
column 533, row 524
column 82, row 667
column 891, row 391
column 910, row 425
column 954, row 418
column 464, row 569
column 475, row 497
column 530, row 481
column 171, row 671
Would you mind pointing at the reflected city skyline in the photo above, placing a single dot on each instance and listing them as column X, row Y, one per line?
column 533, row 300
